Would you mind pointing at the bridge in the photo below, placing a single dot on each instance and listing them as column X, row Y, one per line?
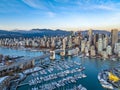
column 22, row 62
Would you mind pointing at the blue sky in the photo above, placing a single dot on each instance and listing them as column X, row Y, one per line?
column 59, row 14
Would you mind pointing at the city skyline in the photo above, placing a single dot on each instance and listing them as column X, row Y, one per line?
column 54, row 14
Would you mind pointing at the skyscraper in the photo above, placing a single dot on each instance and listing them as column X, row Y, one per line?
column 70, row 42
column 114, row 34
column 83, row 45
column 100, row 45
column 105, row 42
column 90, row 35
column 109, row 50
column 64, row 43
column 92, row 50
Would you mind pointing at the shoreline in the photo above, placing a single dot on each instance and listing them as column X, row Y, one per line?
column 112, row 57
column 27, row 49
column 24, row 75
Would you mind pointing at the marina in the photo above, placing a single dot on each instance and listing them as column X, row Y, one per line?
column 60, row 45
column 57, row 75
column 110, row 78
column 92, row 67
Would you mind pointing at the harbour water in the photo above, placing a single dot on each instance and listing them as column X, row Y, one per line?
column 19, row 52
column 92, row 68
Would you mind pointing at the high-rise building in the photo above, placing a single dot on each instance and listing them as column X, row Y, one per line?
column 86, row 51
column 104, row 54
column 109, row 50
column 64, row 43
column 117, row 48
column 42, row 44
column 48, row 44
column 92, row 50
column 83, row 45
column 88, row 45
column 95, row 40
column 70, row 43
column 90, row 32
column 63, row 47
column 53, row 43
column 77, row 41
column 119, row 54
column 100, row 45
column 114, row 34
column 105, row 42
column 90, row 35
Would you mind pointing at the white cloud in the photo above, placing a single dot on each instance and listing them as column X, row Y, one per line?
column 97, row 4
column 103, row 7
column 51, row 14
column 35, row 4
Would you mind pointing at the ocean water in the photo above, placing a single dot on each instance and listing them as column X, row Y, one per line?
column 16, row 52
column 92, row 68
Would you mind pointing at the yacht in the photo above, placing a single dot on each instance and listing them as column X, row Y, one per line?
column 103, row 82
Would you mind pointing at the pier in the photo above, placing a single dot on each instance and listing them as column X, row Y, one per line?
column 23, row 84
column 60, row 74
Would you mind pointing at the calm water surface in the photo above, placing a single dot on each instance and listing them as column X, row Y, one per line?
column 15, row 52
column 93, row 67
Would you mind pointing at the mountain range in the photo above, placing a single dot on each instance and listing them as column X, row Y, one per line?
column 41, row 32
column 32, row 33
